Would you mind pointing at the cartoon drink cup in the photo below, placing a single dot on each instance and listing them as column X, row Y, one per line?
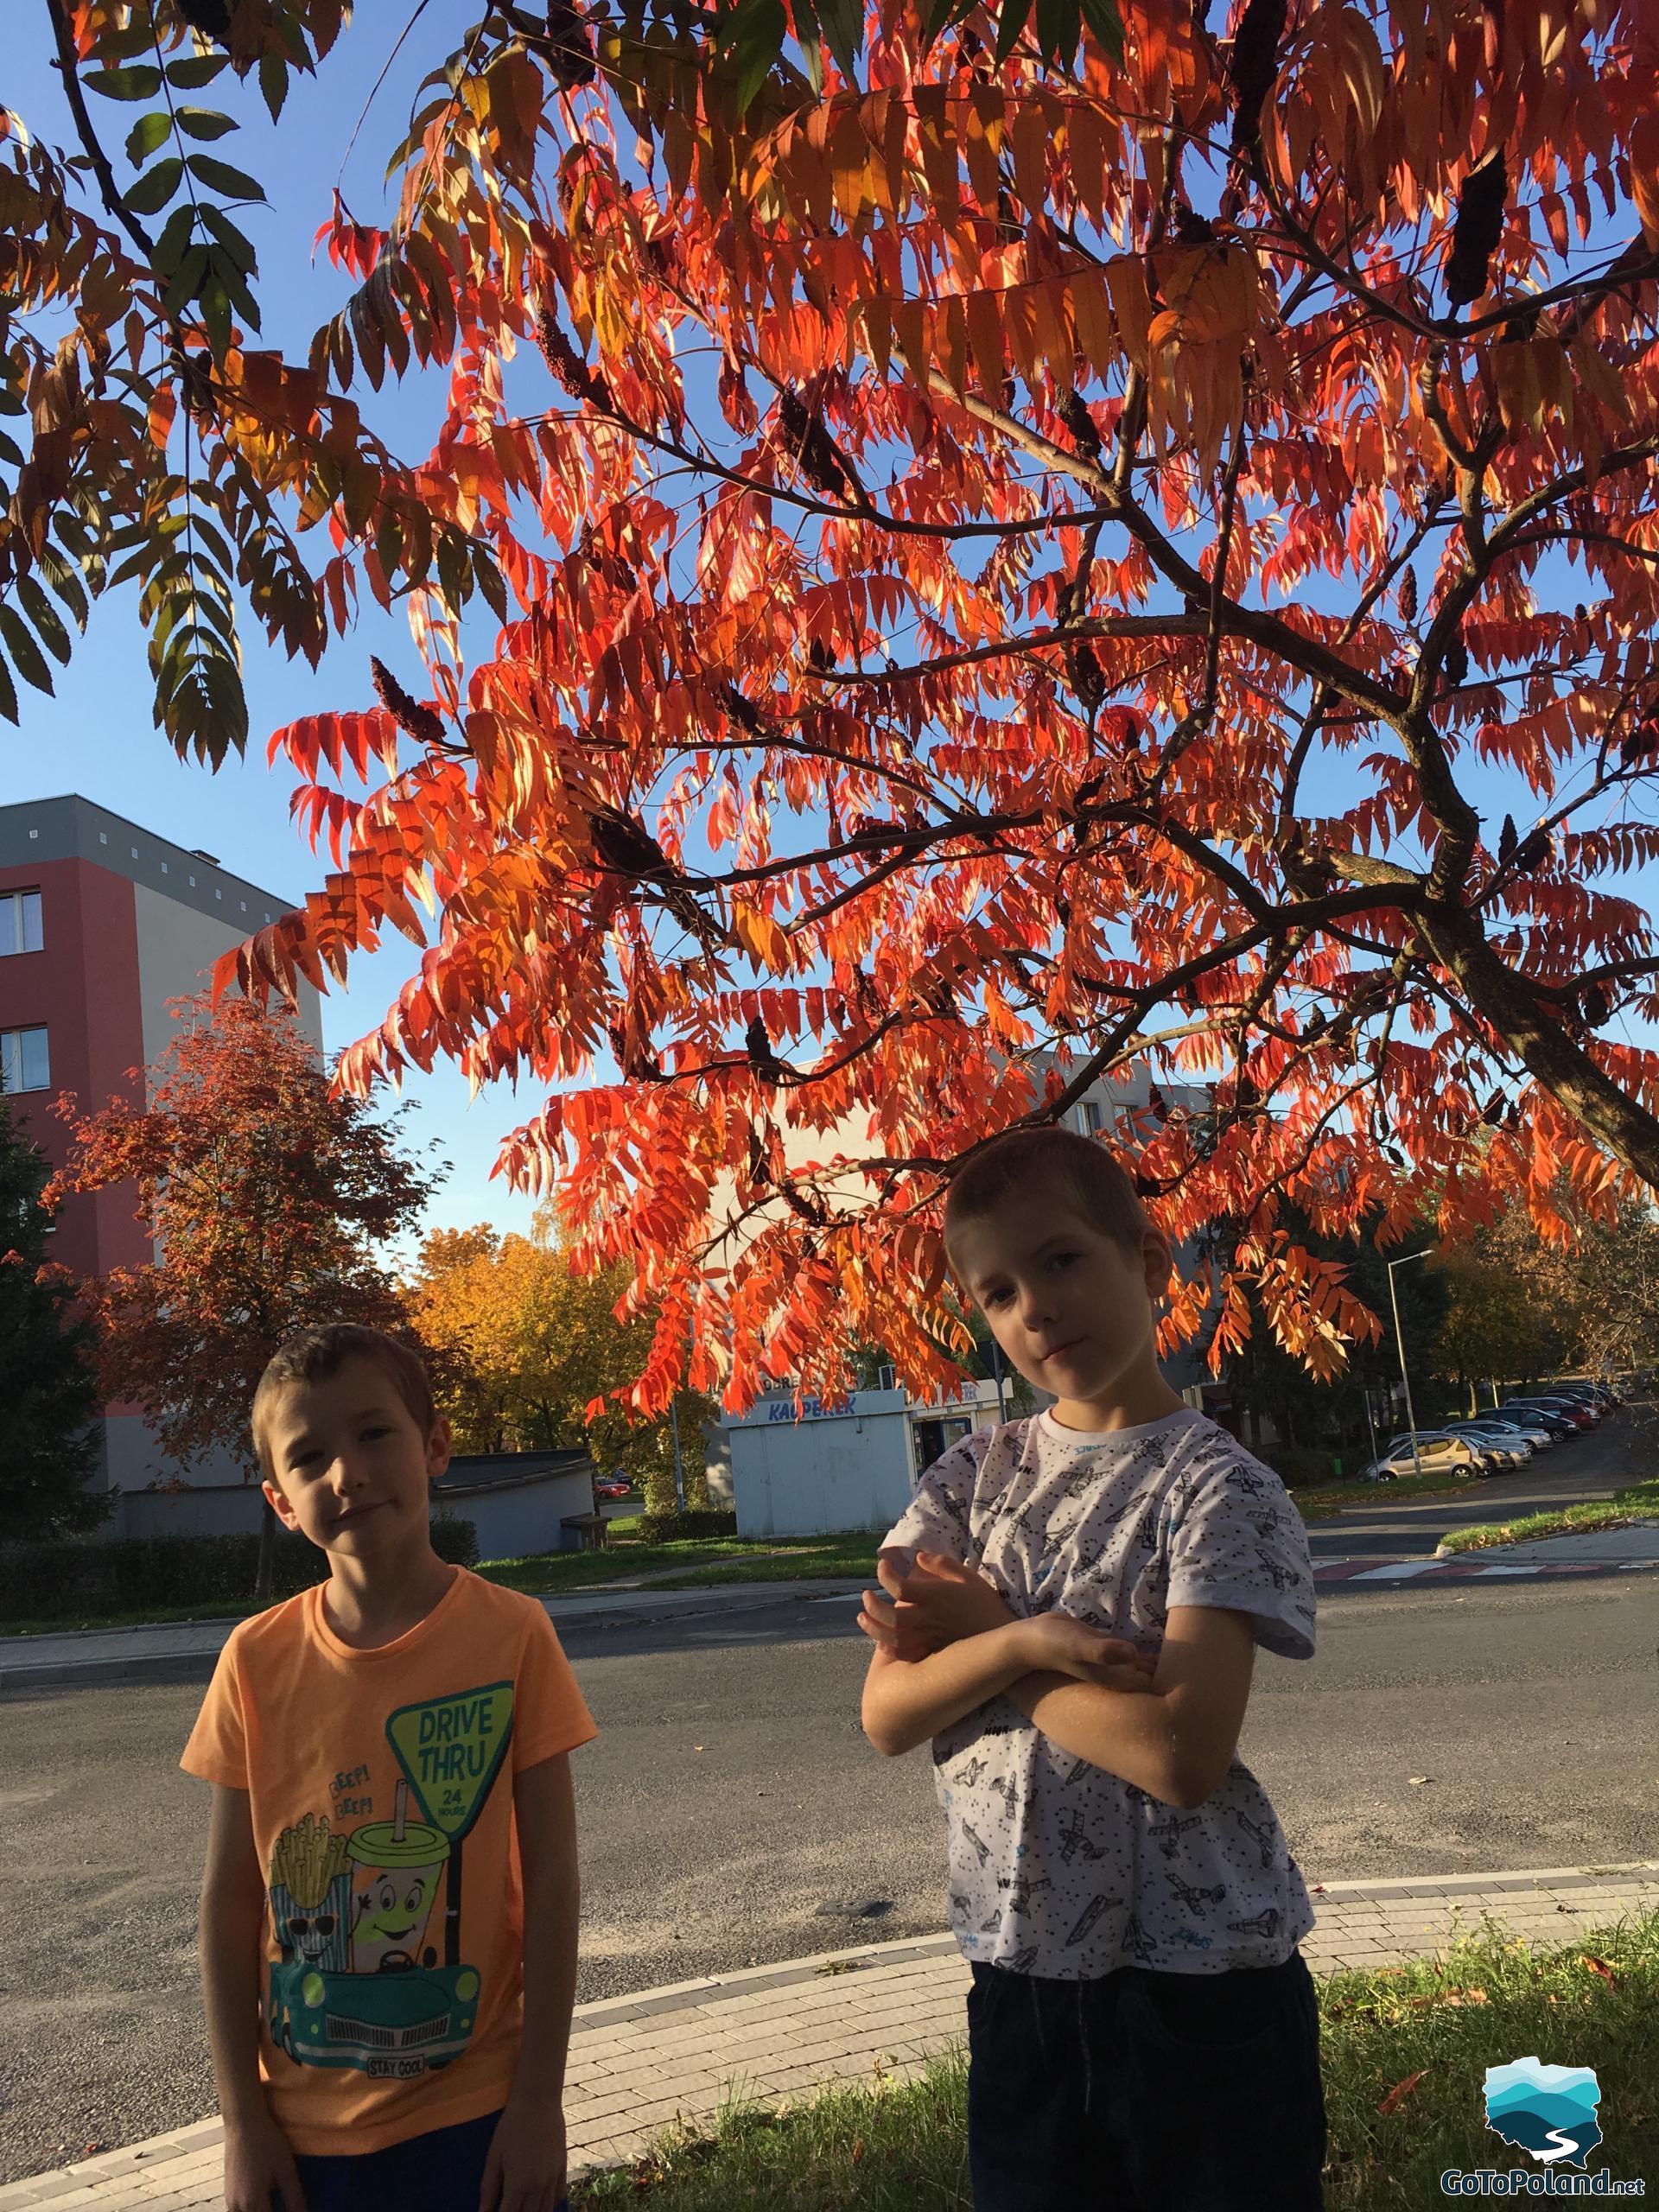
column 395, row 1868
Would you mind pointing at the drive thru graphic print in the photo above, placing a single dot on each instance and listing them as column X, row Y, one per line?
column 359, row 1983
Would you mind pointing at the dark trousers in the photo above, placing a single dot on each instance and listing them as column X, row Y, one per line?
column 1146, row 2092
column 442, row 2172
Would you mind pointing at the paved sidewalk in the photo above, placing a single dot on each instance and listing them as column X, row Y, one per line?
column 778, row 2033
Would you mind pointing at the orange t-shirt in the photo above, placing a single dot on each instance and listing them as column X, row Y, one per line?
column 380, row 1787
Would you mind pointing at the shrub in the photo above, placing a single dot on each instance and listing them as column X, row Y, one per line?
column 1299, row 1465
column 676, row 1528
column 61, row 1580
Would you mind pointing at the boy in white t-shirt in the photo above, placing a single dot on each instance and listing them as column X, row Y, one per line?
column 1069, row 1611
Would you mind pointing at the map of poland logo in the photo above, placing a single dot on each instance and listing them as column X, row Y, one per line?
column 1548, row 2111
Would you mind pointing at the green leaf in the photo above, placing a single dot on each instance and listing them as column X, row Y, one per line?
column 1103, row 19
column 195, row 70
column 219, row 176
column 273, row 82
column 1011, row 22
column 204, row 122
column 810, row 34
column 149, row 131
column 174, row 241
column 7, row 695
column 844, row 33
column 27, row 656
column 139, row 81
column 753, row 37
column 491, row 581
column 66, row 584
column 181, row 287
column 237, row 249
column 1059, row 26
column 213, row 302
column 228, row 273
column 153, row 191
column 45, row 617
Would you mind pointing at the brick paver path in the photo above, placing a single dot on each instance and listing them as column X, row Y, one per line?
column 778, row 2032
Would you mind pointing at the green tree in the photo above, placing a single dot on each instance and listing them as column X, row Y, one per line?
column 47, row 1360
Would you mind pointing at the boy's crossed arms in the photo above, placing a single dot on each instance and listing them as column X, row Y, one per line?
column 946, row 1642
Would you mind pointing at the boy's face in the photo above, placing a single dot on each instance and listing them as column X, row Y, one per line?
column 353, row 1473
column 1073, row 1309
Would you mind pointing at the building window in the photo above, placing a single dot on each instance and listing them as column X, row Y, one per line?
column 163, row 867
column 23, row 1065
column 103, row 837
column 1089, row 1118
column 20, row 922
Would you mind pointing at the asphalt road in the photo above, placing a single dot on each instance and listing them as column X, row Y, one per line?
column 731, row 1794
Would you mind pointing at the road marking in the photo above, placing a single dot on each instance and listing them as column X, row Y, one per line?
column 1395, row 1569
column 1508, row 1570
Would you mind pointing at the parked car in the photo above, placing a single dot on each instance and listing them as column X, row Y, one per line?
column 1578, row 1410
column 609, row 1486
column 1589, row 1394
column 1529, row 1431
column 1507, row 1446
column 1438, row 1454
column 1553, row 1416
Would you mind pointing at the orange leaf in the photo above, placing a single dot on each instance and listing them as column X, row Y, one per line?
column 1399, row 2092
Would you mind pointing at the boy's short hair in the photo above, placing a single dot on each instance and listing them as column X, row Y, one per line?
column 1080, row 1167
column 316, row 1355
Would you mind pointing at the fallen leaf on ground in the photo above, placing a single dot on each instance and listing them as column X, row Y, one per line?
column 1601, row 1967
column 1399, row 2092
column 1418, row 1780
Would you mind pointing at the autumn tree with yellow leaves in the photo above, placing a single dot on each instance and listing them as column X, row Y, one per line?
column 528, row 1355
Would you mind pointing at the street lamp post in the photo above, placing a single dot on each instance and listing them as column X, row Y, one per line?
column 1400, row 1343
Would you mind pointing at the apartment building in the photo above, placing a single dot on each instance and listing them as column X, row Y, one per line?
column 102, row 923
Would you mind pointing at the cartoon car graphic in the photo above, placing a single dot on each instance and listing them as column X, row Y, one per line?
column 390, row 2026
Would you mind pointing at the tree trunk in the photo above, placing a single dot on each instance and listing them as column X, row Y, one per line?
column 267, row 1552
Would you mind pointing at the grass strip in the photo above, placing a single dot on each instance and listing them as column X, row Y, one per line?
column 1329, row 1498
column 1640, row 1502
column 1406, row 2051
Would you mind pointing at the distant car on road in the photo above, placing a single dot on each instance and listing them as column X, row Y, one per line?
column 612, row 1486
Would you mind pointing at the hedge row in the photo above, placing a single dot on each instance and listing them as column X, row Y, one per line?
column 67, row 1580
column 675, row 1527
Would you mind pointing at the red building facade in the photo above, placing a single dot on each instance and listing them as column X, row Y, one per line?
column 125, row 922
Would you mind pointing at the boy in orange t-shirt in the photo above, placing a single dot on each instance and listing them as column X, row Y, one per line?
column 389, row 1910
